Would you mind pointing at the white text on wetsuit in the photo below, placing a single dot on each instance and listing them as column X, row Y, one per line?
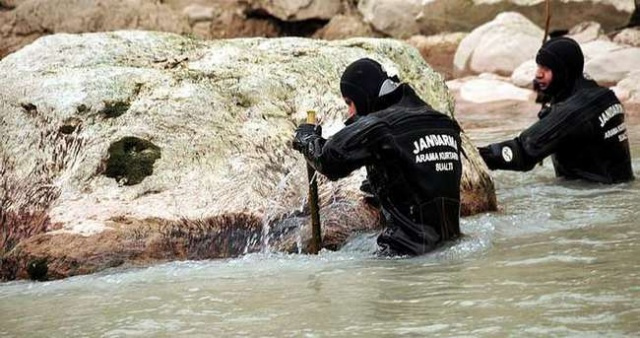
column 612, row 111
column 434, row 140
column 429, row 141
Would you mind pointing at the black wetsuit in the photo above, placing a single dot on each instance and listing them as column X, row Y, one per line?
column 412, row 156
column 585, row 134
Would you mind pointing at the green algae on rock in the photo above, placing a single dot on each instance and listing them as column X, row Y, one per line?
column 131, row 160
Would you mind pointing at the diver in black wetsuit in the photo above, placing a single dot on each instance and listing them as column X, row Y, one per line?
column 581, row 124
column 411, row 153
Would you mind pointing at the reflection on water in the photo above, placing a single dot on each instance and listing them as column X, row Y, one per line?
column 558, row 259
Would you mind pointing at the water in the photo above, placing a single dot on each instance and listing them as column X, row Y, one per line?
column 558, row 259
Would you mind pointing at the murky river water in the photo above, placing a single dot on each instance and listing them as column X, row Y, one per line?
column 559, row 259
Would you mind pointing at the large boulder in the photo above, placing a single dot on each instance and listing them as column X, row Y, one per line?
column 133, row 147
column 499, row 46
column 402, row 18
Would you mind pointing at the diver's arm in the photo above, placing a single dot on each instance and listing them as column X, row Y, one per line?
column 507, row 155
column 347, row 150
column 533, row 144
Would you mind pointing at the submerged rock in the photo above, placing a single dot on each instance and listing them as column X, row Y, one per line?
column 197, row 138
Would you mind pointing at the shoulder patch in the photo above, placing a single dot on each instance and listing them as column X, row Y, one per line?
column 507, row 154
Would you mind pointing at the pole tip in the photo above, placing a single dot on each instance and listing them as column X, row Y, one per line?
column 311, row 116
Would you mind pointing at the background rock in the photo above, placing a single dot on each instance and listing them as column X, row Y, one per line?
column 631, row 85
column 212, row 19
column 344, row 26
column 629, row 36
column 230, row 21
column 396, row 18
column 220, row 116
column 435, row 16
column 297, row 10
column 438, row 50
column 611, row 67
column 9, row 4
column 499, row 46
column 525, row 73
column 587, row 31
column 196, row 13
column 621, row 93
column 34, row 18
column 597, row 48
column 487, row 88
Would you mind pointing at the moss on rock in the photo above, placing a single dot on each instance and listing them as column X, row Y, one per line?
column 131, row 159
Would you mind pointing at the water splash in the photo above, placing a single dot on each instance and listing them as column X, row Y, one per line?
column 281, row 208
column 300, row 227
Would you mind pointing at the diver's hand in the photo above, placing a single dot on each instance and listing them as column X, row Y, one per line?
column 305, row 134
column 491, row 155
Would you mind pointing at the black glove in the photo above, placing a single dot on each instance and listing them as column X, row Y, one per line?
column 491, row 156
column 507, row 155
column 306, row 133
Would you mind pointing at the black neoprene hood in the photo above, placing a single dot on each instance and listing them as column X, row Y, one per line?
column 361, row 82
column 565, row 59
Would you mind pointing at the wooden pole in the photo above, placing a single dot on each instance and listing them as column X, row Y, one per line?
column 316, row 233
column 547, row 22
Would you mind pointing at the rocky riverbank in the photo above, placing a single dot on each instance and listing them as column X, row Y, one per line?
column 23, row 21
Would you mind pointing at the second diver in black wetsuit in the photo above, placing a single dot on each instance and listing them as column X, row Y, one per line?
column 581, row 124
